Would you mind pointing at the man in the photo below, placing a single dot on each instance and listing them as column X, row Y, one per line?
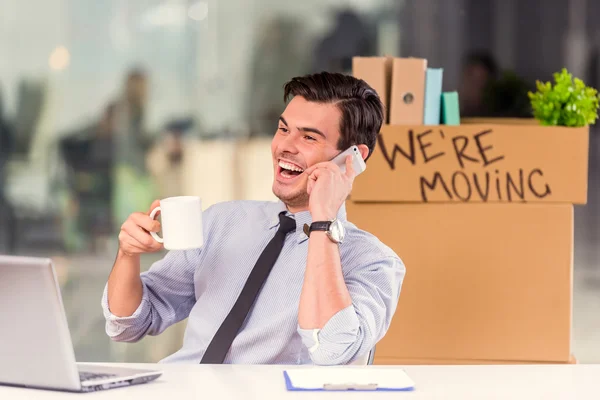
column 479, row 71
column 323, row 302
column 7, row 214
column 131, row 143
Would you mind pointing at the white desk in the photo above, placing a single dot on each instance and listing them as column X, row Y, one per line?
column 223, row 382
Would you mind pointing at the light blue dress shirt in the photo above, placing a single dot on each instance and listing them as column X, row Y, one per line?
column 202, row 285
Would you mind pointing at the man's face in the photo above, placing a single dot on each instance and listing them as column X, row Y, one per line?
column 307, row 134
column 474, row 80
column 137, row 90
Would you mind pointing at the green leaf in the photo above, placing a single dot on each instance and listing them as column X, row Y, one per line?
column 567, row 102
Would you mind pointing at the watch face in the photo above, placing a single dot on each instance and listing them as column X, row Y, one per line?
column 336, row 231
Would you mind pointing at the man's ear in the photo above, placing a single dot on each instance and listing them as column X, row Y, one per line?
column 364, row 150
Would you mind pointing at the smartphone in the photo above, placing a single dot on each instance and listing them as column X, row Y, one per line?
column 357, row 161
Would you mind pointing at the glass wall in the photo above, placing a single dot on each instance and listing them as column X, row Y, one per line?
column 107, row 105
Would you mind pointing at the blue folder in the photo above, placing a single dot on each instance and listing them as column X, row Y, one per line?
column 336, row 385
column 433, row 96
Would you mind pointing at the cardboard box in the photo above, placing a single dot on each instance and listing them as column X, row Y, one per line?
column 488, row 280
column 483, row 281
column 479, row 162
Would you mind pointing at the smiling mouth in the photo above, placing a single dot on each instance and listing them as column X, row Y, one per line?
column 288, row 170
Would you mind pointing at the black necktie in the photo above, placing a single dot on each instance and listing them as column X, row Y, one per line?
column 221, row 342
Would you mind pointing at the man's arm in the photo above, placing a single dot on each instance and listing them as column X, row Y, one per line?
column 165, row 296
column 324, row 292
column 124, row 287
column 339, row 316
column 342, row 318
column 136, row 305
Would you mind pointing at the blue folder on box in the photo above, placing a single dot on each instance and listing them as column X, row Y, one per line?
column 433, row 96
column 347, row 378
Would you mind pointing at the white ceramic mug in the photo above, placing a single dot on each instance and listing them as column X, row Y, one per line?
column 181, row 222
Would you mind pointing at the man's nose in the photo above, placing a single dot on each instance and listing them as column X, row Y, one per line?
column 290, row 143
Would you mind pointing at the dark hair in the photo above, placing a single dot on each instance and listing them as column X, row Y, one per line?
column 483, row 58
column 361, row 108
column 136, row 73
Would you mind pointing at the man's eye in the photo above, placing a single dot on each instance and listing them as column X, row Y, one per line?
column 283, row 129
column 309, row 137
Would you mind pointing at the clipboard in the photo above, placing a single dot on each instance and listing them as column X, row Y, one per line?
column 348, row 379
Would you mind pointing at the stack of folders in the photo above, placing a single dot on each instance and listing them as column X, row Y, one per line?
column 347, row 379
column 411, row 90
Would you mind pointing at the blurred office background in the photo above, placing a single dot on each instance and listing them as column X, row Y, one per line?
column 106, row 105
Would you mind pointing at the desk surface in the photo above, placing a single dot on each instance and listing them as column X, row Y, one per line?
column 225, row 382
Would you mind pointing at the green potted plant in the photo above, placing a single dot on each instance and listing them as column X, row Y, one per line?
column 567, row 102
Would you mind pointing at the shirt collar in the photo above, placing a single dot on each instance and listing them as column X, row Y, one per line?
column 302, row 217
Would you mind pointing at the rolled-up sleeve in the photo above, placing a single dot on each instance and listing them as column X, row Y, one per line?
column 353, row 331
column 167, row 297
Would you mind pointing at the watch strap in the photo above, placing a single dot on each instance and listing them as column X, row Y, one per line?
column 317, row 226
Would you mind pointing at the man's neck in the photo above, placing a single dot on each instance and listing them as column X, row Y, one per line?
column 296, row 209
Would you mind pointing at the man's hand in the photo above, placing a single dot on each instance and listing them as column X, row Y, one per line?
column 134, row 238
column 328, row 188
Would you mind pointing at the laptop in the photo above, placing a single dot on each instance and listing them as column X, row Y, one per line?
column 36, row 350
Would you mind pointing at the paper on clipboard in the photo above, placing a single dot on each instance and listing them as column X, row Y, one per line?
column 340, row 378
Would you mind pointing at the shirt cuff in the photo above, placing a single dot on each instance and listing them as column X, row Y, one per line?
column 337, row 334
column 117, row 323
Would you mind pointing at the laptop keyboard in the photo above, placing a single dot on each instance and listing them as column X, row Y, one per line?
column 92, row 376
